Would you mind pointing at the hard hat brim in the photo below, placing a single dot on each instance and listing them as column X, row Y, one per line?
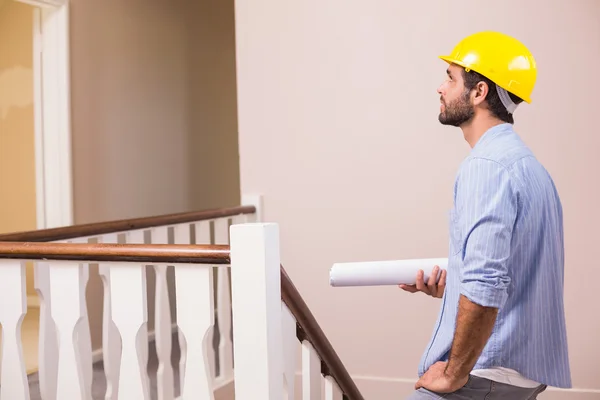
column 451, row 60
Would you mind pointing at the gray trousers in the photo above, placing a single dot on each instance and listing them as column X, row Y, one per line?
column 481, row 389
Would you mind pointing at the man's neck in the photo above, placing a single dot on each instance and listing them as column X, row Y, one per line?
column 477, row 127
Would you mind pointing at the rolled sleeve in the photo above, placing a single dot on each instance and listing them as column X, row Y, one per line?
column 487, row 210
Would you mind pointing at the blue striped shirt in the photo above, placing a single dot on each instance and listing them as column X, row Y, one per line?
column 507, row 251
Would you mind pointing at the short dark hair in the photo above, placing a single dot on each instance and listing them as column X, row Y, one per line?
column 495, row 105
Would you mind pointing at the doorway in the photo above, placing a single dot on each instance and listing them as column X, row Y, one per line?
column 18, row 211
column 34, row 132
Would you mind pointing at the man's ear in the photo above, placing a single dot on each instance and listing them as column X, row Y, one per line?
column 479, row 93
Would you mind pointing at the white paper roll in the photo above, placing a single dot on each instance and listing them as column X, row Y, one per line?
column 378, row 273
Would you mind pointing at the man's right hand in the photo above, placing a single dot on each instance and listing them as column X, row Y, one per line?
column 430, row 288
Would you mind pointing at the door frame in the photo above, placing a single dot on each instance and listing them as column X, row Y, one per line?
column 52, row 113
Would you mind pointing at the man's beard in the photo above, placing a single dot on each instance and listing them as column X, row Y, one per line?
column 457, row 113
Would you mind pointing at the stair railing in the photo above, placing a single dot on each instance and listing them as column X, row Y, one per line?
column 203, row 227
column 265, row 336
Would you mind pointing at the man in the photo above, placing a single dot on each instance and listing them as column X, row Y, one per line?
column 500, row 333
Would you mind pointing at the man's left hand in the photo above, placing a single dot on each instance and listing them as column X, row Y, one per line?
column 436, row 380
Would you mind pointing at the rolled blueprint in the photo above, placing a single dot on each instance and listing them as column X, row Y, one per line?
column 379, row 273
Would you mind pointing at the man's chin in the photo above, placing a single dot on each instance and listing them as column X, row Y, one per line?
column 443, row 120
column 449, row 122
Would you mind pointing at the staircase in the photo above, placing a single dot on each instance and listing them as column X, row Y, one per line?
column 194, row 306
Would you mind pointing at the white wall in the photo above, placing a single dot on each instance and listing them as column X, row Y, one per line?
column 338, row 129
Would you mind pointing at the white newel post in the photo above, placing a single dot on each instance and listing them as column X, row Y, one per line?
column 256, row 306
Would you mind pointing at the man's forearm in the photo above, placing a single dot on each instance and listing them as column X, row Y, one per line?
column 474, row 325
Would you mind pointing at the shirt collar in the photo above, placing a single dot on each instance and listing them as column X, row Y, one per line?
column 491, row 134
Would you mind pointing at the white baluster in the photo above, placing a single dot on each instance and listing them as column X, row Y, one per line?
column 311, row 373
column 332, row 390
column 181, row 234
column 129, row 312
column 240, row 219
column 13, row 307
column 111, row 339
column 290, row 344
column 68, row 281
column 224, row 307
column 195, row 316
column 163, row 323
column 137, row 237
column 202, row 233
column 84, row 337
column 48, row 339
column 256, row 289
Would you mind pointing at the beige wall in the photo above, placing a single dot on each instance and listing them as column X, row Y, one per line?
column 213, row 149
column 338, row 130
column 154, row 113
column 17, row 151
column 17, row 147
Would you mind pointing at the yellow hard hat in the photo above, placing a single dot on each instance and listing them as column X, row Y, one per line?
column 499, row 57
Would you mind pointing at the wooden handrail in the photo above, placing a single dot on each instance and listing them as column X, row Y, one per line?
column 101, row 228
column 308, row 328
column 145, row 253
